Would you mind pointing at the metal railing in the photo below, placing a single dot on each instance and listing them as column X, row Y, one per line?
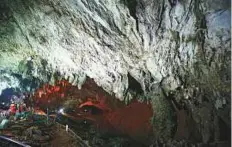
column 10, row 142
column 73, row 134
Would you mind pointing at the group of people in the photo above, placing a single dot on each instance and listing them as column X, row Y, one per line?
column 16, row 108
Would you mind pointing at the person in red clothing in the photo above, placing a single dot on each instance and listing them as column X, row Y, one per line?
column 12, row 108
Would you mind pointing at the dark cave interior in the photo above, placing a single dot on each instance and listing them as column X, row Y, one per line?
column 92, row 109
column 91, row 106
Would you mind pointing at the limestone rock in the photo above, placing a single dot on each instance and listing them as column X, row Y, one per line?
column 176, row 45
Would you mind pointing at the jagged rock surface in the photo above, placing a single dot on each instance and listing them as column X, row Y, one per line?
column 177, row 48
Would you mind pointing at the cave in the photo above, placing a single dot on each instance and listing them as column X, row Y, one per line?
column 120, row 73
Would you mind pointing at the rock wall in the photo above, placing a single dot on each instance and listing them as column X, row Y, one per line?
column 172, row 48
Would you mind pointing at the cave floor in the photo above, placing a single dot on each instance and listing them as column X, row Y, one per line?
column 40, row 134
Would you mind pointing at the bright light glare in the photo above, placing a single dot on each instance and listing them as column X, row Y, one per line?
column 61, row 110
